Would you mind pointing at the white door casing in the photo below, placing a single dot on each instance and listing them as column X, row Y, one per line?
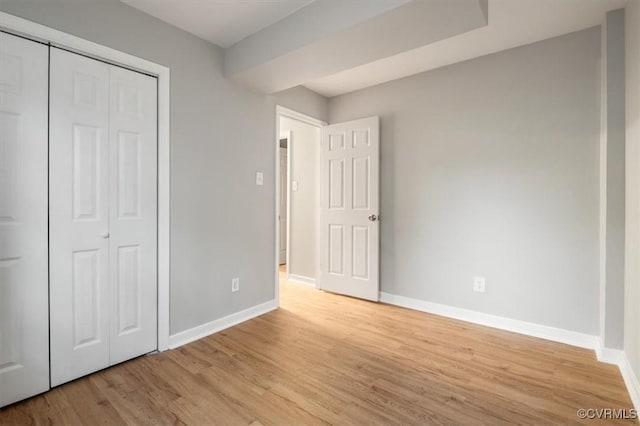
column 133, row 214
column 79, row 216
column 349, row 208
column 103, row 239
column 283, row 204
column 24, row 322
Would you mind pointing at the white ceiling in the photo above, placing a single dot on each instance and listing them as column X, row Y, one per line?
column 222, row 22
column 511, row 23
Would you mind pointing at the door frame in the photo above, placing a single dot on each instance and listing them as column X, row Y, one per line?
column 55, row 38
column 282, row 111
column 286, row 135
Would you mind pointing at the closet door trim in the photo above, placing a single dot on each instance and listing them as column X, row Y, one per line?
column 37, row 32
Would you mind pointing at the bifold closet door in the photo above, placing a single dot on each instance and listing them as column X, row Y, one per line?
column 102, row 215
column 79, row 216
column 133, row 215
column 24, row 315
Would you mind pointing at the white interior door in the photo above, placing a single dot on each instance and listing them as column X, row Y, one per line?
column 133, row 214
column 79, row 216
column 24, row 314
column 284, row 194
column 103, row 249
column 349, row 207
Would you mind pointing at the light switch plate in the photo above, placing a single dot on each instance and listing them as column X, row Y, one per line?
column 259, row 178
column 294, row 186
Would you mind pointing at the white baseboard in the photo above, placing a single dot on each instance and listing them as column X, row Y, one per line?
column 530, row 329
column 215, row 326
column 302, row 280
column 631, row 380
column 608, row 355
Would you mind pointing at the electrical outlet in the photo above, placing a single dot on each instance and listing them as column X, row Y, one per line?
column 235, row 284
column 478, row 284
column 259, row 178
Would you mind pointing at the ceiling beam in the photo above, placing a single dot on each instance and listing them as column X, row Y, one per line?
column 331, row 36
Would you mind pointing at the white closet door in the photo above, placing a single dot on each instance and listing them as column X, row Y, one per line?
column 133, row 214
column 24, row 322
column 79, row 216
column 103, row 215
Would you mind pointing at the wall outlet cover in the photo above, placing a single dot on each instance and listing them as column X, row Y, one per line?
column 478, row 284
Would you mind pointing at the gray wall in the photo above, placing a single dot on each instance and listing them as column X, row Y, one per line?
column 303, row 100
column 490, row 167
column 222, row 224
column 612, row 135
column 632, row 252
column 496, row 159
column 303, row 149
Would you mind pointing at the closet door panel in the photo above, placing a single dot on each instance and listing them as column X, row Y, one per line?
column 24, row 322
column 79, row 216
column 133, row 214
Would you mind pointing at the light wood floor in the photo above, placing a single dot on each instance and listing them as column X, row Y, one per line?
column 327, row 359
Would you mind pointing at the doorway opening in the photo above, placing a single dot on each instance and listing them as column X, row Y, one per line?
column 328, row 209
column 284, row 166
column 297, row 197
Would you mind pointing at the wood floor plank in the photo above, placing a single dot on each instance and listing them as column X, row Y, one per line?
column 323, row 359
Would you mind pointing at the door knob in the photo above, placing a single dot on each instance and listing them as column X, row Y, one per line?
column 105, row 234
column 373, row 218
